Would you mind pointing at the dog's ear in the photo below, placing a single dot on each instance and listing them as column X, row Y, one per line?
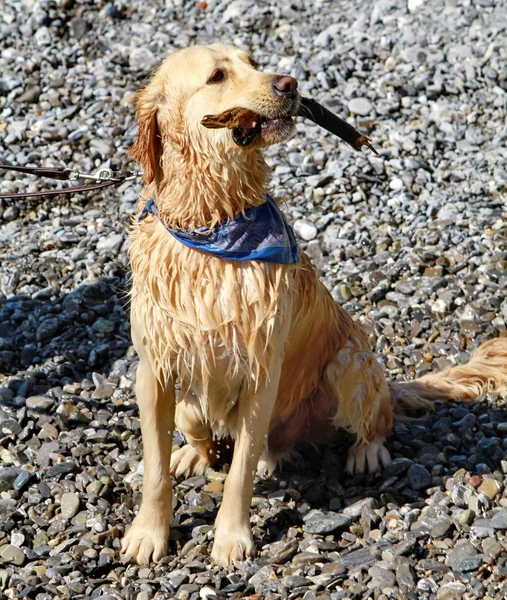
column 147, row 148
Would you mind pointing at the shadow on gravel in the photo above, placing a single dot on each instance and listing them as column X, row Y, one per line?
column 54, row 339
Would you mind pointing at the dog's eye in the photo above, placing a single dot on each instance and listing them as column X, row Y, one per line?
column 217, row 76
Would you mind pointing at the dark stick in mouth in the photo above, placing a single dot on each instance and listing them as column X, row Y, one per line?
column 313, row 110
column 308, row 108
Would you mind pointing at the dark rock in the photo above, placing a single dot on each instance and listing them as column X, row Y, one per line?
column 323, row 523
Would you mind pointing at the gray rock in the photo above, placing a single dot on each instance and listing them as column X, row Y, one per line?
column 8, row 476
column 323, row 523
column 499, row 520
column 463, row 558
column 361, row 106
column 48, row 329
column 141, row 59
column 419, row 477
column 356, row 558
column 41, row 403
column 69, row 505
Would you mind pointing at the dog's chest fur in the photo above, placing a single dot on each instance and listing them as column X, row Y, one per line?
column 204, row 319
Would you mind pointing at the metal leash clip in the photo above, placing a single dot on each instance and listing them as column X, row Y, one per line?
column 102, row 174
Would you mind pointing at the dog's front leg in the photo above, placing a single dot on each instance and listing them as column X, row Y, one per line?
column 147, row 538
column 233, row 536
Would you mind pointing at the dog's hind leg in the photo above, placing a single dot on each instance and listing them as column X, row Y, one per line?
column 148, row 536
column 199, row 452
column 357, row 380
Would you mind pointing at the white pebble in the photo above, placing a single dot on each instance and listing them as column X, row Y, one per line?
column 305, row 230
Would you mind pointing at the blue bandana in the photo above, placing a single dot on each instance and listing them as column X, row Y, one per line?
column 261, row 234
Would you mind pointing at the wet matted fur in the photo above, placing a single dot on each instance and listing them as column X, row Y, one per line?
column 262, row 352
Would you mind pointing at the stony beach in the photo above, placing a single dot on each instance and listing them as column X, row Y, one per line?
column 413, row 243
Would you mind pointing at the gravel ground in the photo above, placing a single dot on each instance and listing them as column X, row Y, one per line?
column 413, row 243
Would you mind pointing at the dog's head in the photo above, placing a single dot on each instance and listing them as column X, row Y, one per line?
column 211, row 80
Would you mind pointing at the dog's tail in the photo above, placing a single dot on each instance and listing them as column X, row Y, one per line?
column 485, row 372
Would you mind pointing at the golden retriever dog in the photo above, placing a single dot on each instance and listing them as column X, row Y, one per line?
column 262, row 353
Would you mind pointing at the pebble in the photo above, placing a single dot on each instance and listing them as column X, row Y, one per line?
column 12, row 554
column 360, row 106
column 69, row 505
column 318, row 522
column 490, row 488
column 42, row 403
column 419, row 477
column 499, row 520
column 305, row 230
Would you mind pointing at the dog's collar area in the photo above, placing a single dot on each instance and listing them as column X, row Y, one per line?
column 261, row 234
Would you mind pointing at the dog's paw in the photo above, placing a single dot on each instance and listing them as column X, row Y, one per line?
column 230, row 545
column 145, row 541
column 186, row 461
column 369, row 457
column 267, row 464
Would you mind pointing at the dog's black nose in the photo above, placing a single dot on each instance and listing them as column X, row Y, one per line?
column 285, row 86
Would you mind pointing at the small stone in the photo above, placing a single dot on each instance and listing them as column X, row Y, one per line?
column 461, row 495
column 69, row 505
column 483, row 528
column 110, row 243
column 466, row 517
column 22, row 480
column 405, row 577
column 440, row 527
column 305, row 230
column 177, row 578
column 8, row 476
column 103, row 326
column 499, row 520
column 62, row 469
column 47, row 329
column 285, row 554
column 13, row 555
column 318, row 522
column 41, row 403
column 207, row 592
column 358, row 557
column 193, row 482
column 296, row 581
column 141, row 59
column 419, row 477
column 40, row 539
column 95, row 487
column 30, row 95
column 451, row 591
column 459, row 559
column 490, row 488
column 354, row 510
column 304, row 558
column 360, row 106
column 214, row 486
column 79, row 28
column 491, row 547
column 396, row 184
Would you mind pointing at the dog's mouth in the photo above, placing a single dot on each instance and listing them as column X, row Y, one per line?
column 260, row 127
column 248, row 126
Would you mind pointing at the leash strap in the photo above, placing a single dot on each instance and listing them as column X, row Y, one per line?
column 104, row 177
